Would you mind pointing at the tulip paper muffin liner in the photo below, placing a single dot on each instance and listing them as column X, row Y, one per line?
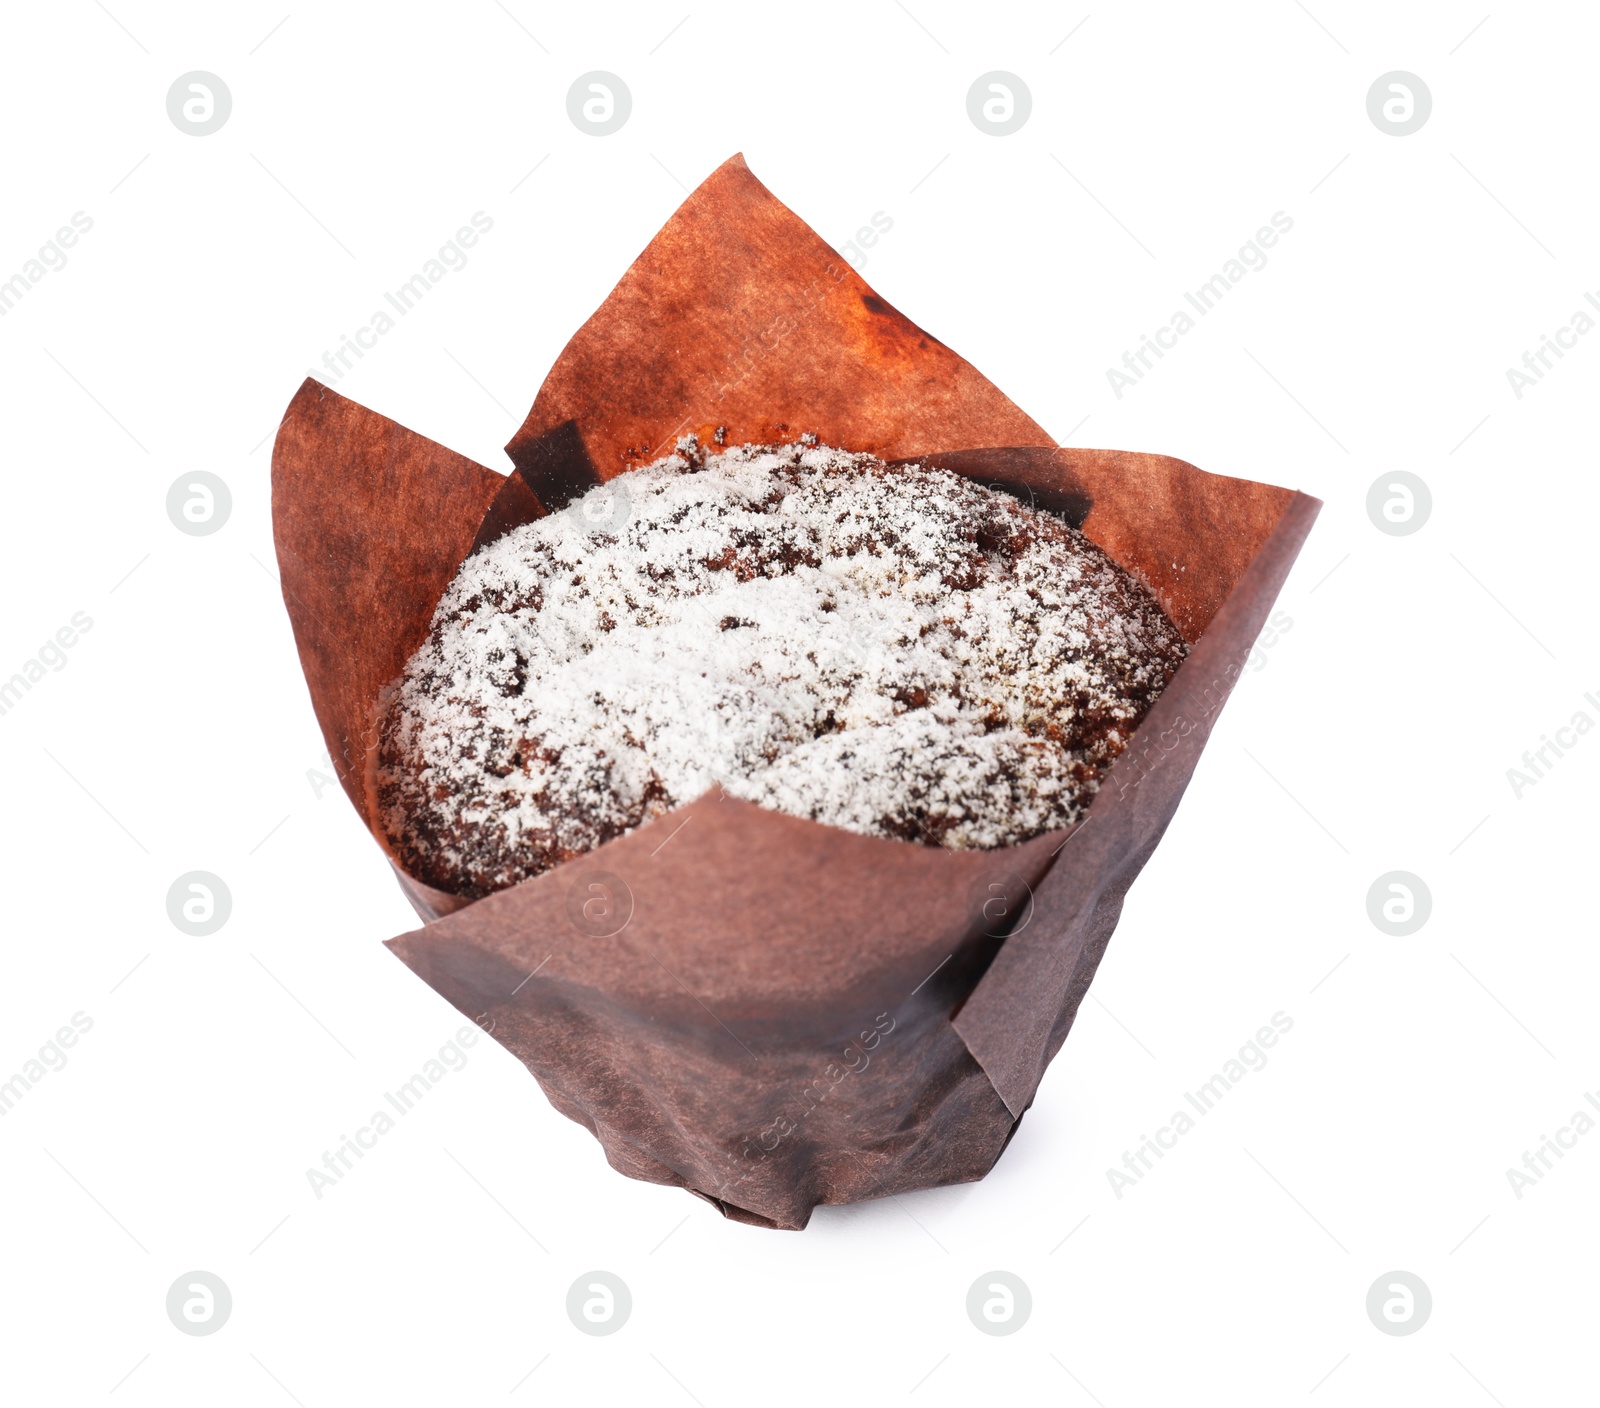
column 768, row 1012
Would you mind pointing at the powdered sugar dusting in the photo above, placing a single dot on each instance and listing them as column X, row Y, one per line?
column 892, row 650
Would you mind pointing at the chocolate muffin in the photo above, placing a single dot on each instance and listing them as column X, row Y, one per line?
column 890, row 649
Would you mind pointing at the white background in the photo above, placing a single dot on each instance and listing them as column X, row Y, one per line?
column 1379, row 728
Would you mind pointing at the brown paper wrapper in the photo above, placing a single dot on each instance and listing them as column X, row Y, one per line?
column 770, row 1013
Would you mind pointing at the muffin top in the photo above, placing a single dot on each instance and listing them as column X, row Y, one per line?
column 891, row 649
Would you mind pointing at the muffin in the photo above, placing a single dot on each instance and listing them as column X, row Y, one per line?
column 890, row 649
